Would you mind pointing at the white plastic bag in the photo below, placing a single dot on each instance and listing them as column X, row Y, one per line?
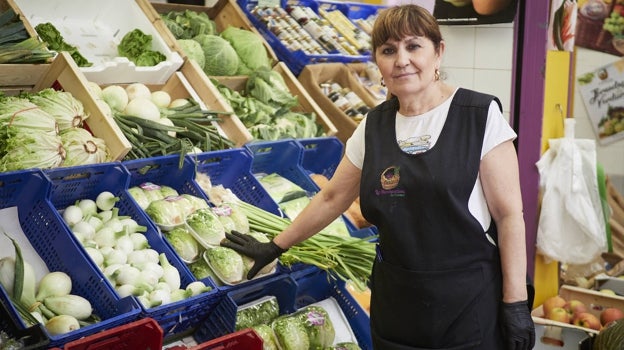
column 571, row 225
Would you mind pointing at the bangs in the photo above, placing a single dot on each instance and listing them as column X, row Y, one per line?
column 399, row 22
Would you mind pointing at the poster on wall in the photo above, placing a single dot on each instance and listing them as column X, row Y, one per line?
column 466, row 12
column 600, row 26
column 562, row 25
column 451, row 12
column 602, row 91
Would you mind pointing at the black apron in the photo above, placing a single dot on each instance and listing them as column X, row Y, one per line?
column 436, row 282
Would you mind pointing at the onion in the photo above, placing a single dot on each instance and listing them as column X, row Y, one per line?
column 115, row 96
column 142, row 108
column 161, row 98
column 136, row 90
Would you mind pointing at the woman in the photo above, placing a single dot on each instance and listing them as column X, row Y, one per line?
column 436, row 171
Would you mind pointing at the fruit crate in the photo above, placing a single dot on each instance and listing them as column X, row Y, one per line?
column 74, row 183
column 63, row 74
column 595, row 301
column 232, row 169
column 224, row 13
column 96, row 29
column 306, row 104
column 321, row 155
column 143, row 334
column 245, row 339
column 297, row 59
column 558, row 338
column 32, row 338
column 350, row 320
column 48, row 246
column 285, row 157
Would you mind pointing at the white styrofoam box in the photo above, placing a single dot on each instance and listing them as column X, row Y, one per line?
column 96, row 28
column 558, row 338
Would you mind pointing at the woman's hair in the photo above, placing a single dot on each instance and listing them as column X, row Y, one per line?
column 397, row 22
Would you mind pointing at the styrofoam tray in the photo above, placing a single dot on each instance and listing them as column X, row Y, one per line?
column 344, row 333
column 96, row 28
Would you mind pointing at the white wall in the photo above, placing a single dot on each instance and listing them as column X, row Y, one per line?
column 480, row 58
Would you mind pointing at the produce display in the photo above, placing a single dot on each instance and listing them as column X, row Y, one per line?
column 44, row 130
column 158, row 125
column 48, row 301
column 265, row 106
column 16, row 45
column 580, row 313
column 233, row 51
column 119, row 248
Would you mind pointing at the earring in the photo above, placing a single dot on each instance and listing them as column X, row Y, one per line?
column 382, row 82
column 436, row 75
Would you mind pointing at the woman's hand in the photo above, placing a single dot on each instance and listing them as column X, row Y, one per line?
column 262, row 253
column 518, row 327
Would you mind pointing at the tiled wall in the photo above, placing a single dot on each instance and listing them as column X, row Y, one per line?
column 480, row 58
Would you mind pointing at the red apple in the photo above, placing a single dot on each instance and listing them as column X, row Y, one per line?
column 558, row 314
column 610, row 314
column 553, row 302
column 574, row 307
column 587, row 320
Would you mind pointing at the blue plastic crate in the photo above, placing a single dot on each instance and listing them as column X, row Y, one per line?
column 321, row 155
column 46, row 232
column 223, row 320
column 33, row 338
column 291, row 294
column 74, row 183
column 317, row 286
column 231, row 168
column 295, row 60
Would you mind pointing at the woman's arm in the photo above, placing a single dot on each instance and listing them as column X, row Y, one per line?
column 501, row 185
column 329, row 203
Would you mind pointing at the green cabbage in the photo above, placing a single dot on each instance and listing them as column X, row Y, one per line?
column 269, row 342
column 318, row 326
column 291, row 333
column 206, row 227
column 250, row 49
column 193, row 50
column 221, row 58
column 226, row 263
column 183, row 243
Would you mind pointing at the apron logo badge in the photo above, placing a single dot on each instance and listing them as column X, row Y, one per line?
column 390, row 178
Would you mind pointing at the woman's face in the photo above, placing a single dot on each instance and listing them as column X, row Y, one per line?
column 408, row 65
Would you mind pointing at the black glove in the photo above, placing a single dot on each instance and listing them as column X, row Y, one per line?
column 262, row 253
column 518, row 326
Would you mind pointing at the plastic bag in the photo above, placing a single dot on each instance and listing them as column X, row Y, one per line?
column 571, row 226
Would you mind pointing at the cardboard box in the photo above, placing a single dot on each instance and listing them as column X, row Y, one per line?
column 224, row 13
column 307, row 103
column 594, row 300
column 96, row 28
column 65, row 74
column 313, row 75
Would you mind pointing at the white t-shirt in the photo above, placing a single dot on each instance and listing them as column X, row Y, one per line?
column 418, row 133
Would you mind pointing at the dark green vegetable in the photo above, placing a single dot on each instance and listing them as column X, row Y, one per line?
column 610, row 337
column 48, row 33
column 137, row 47
column 261, row 313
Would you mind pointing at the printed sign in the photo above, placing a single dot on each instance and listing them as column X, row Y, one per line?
column 603, row 95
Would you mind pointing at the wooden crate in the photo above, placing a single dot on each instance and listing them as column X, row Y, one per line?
column 313, row 75
column 231, row 125
column 307, row 104
column 595, row 301
column 225, row 13
column 64, row 73
column 186, row 83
